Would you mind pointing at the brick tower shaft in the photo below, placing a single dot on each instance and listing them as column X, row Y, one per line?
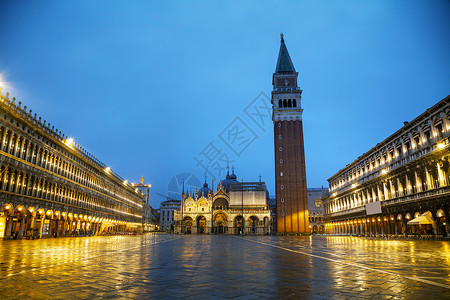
column 290, row 171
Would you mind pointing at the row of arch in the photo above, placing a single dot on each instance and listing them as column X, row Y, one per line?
column 434, row 129
column 19, row 182
column 287, row 103
column 22, row 221
column 395, row 224
column 48, row 158
column 222, row 224
column 424, row 178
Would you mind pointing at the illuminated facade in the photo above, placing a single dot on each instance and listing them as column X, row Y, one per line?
column 166, row 212
column 290, row 171
column 399, row 179
column 224, row 210
column 50, row 186
column 315, row 209
column 148, row 218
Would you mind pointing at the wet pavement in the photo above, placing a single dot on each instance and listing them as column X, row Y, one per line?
column 208, row 267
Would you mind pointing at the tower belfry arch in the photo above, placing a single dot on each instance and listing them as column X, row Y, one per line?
column 290, row 171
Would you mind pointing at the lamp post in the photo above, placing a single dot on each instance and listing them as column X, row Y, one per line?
column 242, row 203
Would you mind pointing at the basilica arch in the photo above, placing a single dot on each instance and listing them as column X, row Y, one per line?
column 220, row 223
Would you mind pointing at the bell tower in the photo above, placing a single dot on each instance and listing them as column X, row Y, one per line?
column 290, row 172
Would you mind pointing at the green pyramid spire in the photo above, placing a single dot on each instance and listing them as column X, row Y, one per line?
column 284, row 63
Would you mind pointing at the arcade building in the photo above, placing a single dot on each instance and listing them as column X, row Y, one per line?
column 400, row 187
column 51, row 187
column 233, row 208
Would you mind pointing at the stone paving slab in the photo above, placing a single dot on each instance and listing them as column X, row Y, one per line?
column 162, row 266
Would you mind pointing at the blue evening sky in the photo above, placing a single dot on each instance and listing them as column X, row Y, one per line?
column 153, row 87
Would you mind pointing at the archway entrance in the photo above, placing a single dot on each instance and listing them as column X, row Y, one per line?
column 220, row 223
column 253, row 224
column 201, row 225
column 321, row 229
column 238, row 225
column 188, row 225
column 314, row 229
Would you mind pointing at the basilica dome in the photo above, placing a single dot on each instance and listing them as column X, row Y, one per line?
column 226, row 183
column 204, row 190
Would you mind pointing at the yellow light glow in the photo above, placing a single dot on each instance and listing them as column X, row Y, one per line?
column 70, row 141
column 20, row 208
column 7, row 206
column 125, row 182
column 3, row 83
column 31, row 209
column 440, row 146
column 384, row 171
column 107, row 169
column 48, row 212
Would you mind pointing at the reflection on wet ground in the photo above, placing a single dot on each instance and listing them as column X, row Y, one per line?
column 204, row 266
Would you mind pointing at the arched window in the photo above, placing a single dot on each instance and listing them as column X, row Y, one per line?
column 284, row 103
column 280, row 103
column 289, row 103
column 294, row 103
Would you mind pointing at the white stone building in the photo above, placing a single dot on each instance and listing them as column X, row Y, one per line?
column 166, row 213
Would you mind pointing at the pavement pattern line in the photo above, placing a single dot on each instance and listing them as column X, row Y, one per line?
column 91, row 257
column 352, row 264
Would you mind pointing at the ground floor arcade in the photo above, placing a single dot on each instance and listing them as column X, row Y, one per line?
column 224, row 223
column 392, row 224
column 22, row 221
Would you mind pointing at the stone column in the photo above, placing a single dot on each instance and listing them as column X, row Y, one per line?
column 57, row 228
column 8, row 227
column 22, row 225
column 395, row 226
column 65, row 228
column 404, row 225
column 33, row 222
column 50, row 228
column 447, row 221
column 42, row 225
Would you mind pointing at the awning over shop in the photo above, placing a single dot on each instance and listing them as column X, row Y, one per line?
column 423, row 219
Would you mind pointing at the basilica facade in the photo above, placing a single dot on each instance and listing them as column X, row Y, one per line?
column 232, row 208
